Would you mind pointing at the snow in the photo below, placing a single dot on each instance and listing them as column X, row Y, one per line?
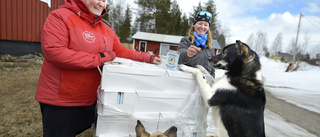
column 301, row 88
column 275, row 125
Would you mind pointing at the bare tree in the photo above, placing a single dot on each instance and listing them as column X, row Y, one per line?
column 261, row 43
column 301, row 48
column 276, row 44
column 224, row 33
column 250, row 41
column 315, row 51
column 290, row 48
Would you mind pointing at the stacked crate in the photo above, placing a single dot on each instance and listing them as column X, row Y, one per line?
column 158, row 97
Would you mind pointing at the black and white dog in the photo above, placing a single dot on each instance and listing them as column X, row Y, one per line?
column 238, row 98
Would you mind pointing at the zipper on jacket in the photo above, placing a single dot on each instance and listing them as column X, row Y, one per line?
column 95, row 21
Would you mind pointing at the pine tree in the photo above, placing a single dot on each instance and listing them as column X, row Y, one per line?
column 106, row 17
column 162, row 16
column 185, row 25
column 175, row 27
column 125, row 27
column 135, row 27
column 117, row 17
column 145, row 19
column 211, row 7
column 193, row 14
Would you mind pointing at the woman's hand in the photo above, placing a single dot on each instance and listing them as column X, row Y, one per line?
column 157, row 61
column 192, row 50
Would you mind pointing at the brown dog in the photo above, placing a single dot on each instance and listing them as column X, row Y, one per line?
column 141, row 132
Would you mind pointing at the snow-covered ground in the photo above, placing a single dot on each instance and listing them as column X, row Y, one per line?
column 301, row 88
column 276, row 126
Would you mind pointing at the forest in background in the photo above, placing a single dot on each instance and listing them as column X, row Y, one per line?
column 158, row 16
column 166, row 17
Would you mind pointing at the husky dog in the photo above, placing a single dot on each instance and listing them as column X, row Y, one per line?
column 141, row 132
column 238, row 98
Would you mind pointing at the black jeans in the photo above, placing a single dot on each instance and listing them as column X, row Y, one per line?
column 59, row 121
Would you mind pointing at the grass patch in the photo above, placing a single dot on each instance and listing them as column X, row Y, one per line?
column 20, row 112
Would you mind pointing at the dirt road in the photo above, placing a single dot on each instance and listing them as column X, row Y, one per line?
column 306, row 119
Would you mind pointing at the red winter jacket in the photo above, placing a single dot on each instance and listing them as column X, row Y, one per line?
column 74, row 42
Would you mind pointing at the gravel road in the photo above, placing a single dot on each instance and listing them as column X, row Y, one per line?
column 306, row 119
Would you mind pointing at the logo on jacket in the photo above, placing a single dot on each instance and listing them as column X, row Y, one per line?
column 88, row 36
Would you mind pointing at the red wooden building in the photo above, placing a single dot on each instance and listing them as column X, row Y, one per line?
column 315, row 62
column 21, row 23
column 159, row 44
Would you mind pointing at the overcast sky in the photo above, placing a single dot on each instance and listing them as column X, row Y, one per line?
column 244, row 17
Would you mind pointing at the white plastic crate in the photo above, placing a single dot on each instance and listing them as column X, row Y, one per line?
column 158, row 97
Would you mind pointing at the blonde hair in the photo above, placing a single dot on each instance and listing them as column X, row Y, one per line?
column 209, row 40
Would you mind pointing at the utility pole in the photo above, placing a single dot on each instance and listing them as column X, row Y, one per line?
column 295, row 45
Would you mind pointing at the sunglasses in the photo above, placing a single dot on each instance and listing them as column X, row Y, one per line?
column 201, row 13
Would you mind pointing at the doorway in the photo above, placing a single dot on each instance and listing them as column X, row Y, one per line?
column 142, row 46
column 164, row 48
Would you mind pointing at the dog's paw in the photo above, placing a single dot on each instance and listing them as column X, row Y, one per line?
column 186, row 68
column 183, row 67
column 203, row 70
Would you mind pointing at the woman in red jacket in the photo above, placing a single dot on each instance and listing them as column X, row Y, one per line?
column 74, row 42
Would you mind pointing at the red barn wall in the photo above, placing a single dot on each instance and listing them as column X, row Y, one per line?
column 172, row 47
column 22, row 20
column 314, row 62
column 136, row 45
column 153, row 46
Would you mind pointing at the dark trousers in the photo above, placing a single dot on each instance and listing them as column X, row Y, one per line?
column 59, row 121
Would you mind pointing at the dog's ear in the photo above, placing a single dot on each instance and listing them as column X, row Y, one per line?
column 238, row 46
column 171, row 132
column 140, row 130
column 242, row 48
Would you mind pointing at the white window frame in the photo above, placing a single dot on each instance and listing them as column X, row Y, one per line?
column 161, row 46
column 145, row 48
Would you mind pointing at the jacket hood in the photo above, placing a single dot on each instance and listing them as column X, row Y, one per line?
column 80, row 8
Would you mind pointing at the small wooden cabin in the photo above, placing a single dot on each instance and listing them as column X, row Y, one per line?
column 159, row 44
